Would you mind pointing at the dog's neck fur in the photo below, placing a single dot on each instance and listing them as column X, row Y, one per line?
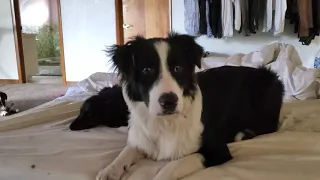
column 165, row 137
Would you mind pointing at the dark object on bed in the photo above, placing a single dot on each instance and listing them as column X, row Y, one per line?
column 107, row 108
column 4, row 109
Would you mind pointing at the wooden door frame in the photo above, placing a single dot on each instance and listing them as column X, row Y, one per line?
column 119, row 20
column 17, row 29
column 16, row 24
column 62, row 60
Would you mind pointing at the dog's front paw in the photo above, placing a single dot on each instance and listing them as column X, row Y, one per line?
column 111, row 172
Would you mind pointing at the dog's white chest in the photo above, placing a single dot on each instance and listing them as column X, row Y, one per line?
column 166, row 139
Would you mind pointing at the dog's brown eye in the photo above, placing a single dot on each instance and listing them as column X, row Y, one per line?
column 178, row 69
column 147, row 71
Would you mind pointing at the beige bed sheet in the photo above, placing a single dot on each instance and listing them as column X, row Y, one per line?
column 48, row 150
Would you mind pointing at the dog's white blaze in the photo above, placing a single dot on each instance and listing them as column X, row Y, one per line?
column 166, row 82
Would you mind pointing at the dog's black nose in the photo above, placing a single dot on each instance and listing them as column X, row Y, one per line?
column 168, row 102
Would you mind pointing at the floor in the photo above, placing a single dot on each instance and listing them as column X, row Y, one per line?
column 46, row 80
column 49, row 70
column 29, row 95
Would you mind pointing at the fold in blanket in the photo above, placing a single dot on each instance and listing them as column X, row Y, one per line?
column 300, row 82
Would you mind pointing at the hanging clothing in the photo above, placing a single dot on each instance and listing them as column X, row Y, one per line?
column 215, row 19
column 203, row 16
column 237, row 14
column 316, row 16
column 191, row 17
column 244, row 4
column 293, row 14
column 209, row 31
column 279, row 16
column 254, row 14
column 227, row 18
column 305, row 14
column 268, row 16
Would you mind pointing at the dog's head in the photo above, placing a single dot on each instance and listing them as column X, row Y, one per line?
column 159, row 72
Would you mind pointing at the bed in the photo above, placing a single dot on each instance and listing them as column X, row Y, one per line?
column 49, row 150
column 37, row 144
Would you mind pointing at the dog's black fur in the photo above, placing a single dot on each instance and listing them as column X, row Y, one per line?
column 107, row 108
column 237, row 100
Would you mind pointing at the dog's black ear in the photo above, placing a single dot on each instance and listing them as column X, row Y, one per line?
column 122, row 56
column 191, row 48
column 121, row 59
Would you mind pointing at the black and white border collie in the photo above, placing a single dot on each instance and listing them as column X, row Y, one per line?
column 183, row 116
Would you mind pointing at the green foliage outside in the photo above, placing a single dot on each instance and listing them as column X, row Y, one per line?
column 48, row 42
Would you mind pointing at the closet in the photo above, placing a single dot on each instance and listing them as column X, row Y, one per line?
column 224, row 18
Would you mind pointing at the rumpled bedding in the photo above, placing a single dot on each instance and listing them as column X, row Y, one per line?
column 49, row 150
column 300, row 83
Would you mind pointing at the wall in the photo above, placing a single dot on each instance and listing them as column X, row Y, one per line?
column 88, row 26
column 241, row 44
column 8, row 59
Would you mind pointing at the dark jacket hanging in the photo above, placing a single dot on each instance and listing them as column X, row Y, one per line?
column 316, row 16
column 215, row 20
column 292, row 14
column 245, row 25
column 203, row 18
column 254, row 14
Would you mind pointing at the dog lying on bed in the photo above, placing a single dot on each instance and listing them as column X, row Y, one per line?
column 4, row 109
column 188, row 118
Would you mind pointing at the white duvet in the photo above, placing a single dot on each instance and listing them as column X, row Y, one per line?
column 49, row 150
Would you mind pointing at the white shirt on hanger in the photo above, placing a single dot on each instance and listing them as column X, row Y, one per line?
column 267, row 19
column 227, row 18
column 279, row 16
column 237, row 14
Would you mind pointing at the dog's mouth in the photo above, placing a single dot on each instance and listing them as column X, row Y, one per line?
column 171, row 113
column 167, row 113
